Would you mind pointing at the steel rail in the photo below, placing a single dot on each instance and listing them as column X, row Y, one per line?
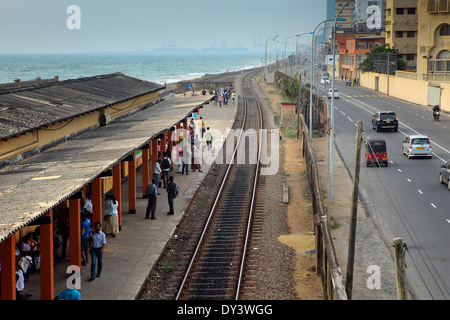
column 214, row 205
column 253, row 196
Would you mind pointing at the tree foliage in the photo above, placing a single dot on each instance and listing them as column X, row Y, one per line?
column 367, row 64
column 291, row 89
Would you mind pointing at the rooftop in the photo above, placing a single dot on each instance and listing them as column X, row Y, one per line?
column 26, row 108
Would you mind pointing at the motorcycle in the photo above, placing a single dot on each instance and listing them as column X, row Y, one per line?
column 436, row 115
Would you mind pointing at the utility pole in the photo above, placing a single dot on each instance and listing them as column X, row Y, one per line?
column 353, row 216
column 388, row 71
column 400, row 269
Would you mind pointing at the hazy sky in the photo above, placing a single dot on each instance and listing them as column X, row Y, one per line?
column 30, row 26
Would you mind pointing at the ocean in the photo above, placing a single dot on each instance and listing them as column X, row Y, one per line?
column 157, row 68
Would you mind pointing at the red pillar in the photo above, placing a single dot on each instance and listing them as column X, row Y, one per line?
column 117, row 189
column 75, row 232
column 8, row 274
column 170, row 138
column 145, row 169
column 96, row 200
column 170, row 143
column 132, row 185
column 163, row 145
column 154, row 146
column 47, row 279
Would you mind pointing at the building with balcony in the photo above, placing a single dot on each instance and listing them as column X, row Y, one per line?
column 348, row 13
column 401, row 29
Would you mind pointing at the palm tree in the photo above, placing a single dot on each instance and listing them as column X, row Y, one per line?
column 291, row 89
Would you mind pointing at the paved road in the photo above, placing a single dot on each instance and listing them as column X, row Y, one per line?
column 405, row 199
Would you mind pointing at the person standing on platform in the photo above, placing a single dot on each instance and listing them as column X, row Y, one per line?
column 85, row 233
column 157, row 172
column 88, row 204
column 195, row 159
column 233, row 96
column 202, row 126
column 112, row 218
column 166, row 164
column 98, row 245
column 151, row 193
column 208, row 138
column 185, row 159
column 171, row 194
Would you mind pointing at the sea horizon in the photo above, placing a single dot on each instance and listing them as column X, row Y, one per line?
column 153, row 67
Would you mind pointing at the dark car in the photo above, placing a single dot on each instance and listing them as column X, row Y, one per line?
column 382, row 120
column 444, row 174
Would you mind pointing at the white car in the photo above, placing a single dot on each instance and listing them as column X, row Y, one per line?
column 336, row 93
column 325, row 80
column 417, row 146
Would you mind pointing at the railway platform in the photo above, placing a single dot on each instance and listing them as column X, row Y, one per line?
column 129, row 257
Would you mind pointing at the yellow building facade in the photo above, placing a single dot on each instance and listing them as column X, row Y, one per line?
column 429, row 84
column 433, row 40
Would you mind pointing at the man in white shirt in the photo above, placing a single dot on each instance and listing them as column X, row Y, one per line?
column 98, row 244
column 88, row 204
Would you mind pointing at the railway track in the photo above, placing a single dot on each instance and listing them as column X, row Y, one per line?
column 216, row 268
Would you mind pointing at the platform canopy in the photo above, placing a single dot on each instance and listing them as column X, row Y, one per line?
column 30, row 188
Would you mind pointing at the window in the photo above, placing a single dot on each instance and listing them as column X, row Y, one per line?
column 442, row 6
column 410, row 57
column 399, row 10
column 445, row 30
column 444, row 55
column 399, row 34
column 431, row 6
column 411, row 10
column 410, row 34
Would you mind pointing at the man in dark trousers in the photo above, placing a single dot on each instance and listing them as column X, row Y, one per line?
column 151, row 193
column 165, row 165
column 171, row 194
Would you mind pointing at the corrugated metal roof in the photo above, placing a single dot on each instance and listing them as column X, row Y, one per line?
column 26, row 108
column 30, row 188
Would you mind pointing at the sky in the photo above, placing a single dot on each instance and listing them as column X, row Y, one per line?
column 55, row 26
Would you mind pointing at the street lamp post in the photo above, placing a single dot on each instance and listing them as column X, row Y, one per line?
column 331, row 128
column 311, row 89
column 285, row 56
column 265, row 69
column 300, row 84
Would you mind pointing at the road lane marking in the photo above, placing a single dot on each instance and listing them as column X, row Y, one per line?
column 432, row 204
column 359, row 105
column 399, row 170
column 409, row 180
column 420, row 191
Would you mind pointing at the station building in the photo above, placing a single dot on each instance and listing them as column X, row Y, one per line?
column 62, row 140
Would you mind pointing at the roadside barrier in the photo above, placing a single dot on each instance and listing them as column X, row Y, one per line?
column 327, row 264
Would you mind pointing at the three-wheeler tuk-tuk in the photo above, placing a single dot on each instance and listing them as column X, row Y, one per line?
column 376, row 152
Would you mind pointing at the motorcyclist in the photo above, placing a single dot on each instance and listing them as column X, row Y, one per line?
column 436, row 110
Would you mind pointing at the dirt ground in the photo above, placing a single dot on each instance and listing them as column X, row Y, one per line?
column 371, row 249
column 299, row 209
